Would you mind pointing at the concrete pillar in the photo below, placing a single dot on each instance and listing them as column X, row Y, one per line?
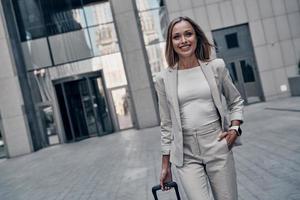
column 136, row 63
column 13, row 118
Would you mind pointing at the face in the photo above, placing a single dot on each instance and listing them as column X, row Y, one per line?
column 184, row 39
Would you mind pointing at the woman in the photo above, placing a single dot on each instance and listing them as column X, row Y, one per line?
column 194, row 133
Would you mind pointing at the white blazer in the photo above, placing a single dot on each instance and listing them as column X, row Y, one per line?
column 220, row 83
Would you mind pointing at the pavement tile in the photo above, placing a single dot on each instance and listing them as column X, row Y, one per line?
column 125, row 165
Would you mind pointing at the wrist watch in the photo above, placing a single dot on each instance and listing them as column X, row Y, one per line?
column 237, row 129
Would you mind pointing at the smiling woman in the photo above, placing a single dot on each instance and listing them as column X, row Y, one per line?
column 195, row 136
column 183, row 31
column 184, row 39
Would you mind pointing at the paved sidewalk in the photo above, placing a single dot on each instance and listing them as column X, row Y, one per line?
column 125, row 165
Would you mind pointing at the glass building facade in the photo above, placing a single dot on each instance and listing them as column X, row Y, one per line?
column 74, row 67
column 154, row 21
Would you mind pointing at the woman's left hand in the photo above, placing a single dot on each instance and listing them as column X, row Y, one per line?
column 230, row 136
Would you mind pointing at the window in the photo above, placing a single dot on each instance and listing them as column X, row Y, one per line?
column 232, row 40
column 154, row 22
column 55, row 32
column 247, row 72
column 39, row 18
column 232, row 72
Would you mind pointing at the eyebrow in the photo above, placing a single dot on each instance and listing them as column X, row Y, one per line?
column 188, row 30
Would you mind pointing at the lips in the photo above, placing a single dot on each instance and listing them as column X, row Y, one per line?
column 185, row 47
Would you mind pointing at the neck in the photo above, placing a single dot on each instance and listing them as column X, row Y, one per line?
column 188, row 62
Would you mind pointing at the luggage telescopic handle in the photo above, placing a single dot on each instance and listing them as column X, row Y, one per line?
column 171, row 184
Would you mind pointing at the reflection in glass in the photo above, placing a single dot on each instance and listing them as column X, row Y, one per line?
column 99, row 13
column 121, row 102
column 36, row 53
column 100, row 105
column 111, row 64
column 62, row 21
column 156, row 57
column 88, row 108
column 232, row 72
column 29, row 17
column 154, row 24
column 148, row 4
column 104, row 39
column 74, row 93
column 113, row 69
column 48, row 124
column 41, row 18
column 64, row 112
column 70, row 46
column 247, row 71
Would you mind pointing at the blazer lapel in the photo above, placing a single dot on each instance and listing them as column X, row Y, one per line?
column 172, row 80
column 209, row 75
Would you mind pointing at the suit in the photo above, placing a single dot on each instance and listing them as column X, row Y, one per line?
column 220, row 83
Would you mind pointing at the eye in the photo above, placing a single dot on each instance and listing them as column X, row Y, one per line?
column 176, row 37
column 189, row 34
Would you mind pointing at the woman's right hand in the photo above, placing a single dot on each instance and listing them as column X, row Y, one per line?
column 166, row 173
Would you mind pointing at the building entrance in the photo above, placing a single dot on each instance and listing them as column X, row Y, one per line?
column 235, row 47
column 83, row 106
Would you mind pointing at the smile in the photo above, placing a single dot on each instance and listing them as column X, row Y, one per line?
column 185, row 47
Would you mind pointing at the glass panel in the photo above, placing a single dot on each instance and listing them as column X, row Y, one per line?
column 39, row 18
column 36, row 53
column 148, row 4
column 232, row 72
column 74, row 96
column 30, row 19
column 62, row 16
column 113, row 69
column 48, row 124
column 154, row 25
column 99, row 13
column 156, row 57
column 88, row 107
column 112, row 66
column 121, row 102
column 70, row 46
column 100, row 104
column 64, row 112
column 232, row 40
column 247, row 71
column 104, row 39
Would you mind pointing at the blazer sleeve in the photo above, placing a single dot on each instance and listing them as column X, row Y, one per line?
column 165, row 119
column 234, row 101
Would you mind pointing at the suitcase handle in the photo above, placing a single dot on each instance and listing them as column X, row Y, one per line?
column 171, row 184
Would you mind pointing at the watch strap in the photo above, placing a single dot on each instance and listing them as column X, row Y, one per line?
column 237, row 129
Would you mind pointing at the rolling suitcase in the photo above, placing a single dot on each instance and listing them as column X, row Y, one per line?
column 171, row 185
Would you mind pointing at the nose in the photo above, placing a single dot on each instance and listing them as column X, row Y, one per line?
column 183, row 39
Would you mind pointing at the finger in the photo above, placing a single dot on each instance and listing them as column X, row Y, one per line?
column 161, row 183
column 222, row 135
column 231, row 137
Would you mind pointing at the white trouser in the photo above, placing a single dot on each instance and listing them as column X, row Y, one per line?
column 208, row 171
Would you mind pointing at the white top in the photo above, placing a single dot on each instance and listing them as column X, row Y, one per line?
column 197, row 108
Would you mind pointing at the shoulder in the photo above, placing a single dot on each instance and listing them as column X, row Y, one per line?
column 217, row 63
column 162, row 74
